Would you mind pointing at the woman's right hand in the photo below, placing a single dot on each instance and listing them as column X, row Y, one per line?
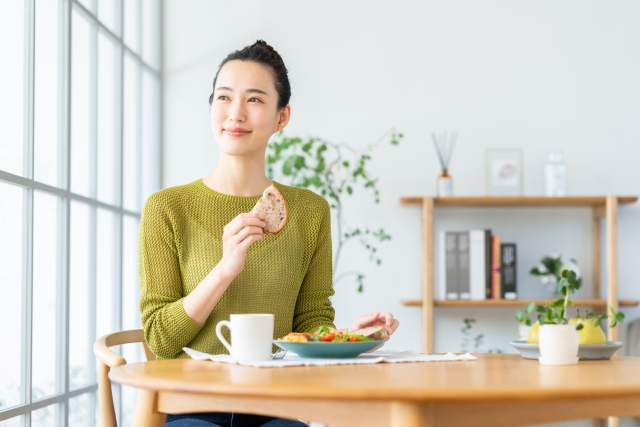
column 237, row 236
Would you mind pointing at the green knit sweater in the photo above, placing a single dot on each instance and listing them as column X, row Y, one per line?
column 288, row 274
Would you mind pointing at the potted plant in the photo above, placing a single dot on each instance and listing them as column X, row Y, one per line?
column 550, row 269
column 558, row 337
column 335, row 170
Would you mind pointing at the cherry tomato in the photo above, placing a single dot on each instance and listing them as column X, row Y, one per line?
column 353, row 339
column 328, row 337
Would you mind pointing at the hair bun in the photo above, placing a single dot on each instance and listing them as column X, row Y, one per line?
column 263, row 44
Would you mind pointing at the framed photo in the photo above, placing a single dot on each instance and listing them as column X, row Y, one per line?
column 503, row 172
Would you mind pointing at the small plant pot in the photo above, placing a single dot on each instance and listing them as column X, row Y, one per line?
column 523, row 332
column 558, row 344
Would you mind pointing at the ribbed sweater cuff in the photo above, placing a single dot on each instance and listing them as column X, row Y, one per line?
column 188, row 327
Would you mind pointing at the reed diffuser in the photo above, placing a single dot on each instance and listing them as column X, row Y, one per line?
column 444, row 144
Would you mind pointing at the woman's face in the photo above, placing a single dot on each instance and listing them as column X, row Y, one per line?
column 244, row 111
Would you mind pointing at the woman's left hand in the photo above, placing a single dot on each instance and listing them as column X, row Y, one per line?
column 376, row 319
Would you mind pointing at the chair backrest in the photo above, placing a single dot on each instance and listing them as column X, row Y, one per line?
column 633, row 338
column 109, row 359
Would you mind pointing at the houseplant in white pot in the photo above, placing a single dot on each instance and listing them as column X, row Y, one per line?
column 559, row 338
column 550, row 269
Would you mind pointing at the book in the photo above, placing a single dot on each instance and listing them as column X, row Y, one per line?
column 508, row 271
column 477, row 264
column 495, row 291
column 487, row 262
column 448, row 265
column 462, row 273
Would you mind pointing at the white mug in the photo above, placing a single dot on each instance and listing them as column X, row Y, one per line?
column 251, row 336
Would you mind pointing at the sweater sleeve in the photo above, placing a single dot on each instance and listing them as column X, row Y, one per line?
column 167, row 327
column 313, row 307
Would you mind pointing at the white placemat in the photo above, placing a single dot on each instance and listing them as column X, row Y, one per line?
column 292, row 359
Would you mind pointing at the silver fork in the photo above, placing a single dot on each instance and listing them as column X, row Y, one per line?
column 279, row 354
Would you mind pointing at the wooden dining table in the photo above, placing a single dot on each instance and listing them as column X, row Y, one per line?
column 494, row 390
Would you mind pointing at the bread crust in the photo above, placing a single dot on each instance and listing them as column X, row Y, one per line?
column 262, row 205
column 378, row 333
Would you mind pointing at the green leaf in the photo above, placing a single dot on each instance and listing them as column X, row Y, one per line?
column 529, row 308
column 349, row 189
column 596, row 322
column 519, row 316
column 549, row 264
column 345, row 164
column 286, row 168
column 579, row 327
column 564, row 274
column 299, row 162
column 571, row 276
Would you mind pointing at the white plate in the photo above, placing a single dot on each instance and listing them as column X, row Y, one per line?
column 585, row 351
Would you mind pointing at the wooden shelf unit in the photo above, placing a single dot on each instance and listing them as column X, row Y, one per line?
column 588, row 302
column 602, row 207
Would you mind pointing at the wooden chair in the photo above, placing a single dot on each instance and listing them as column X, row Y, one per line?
column 109, row 359
column 633, row 338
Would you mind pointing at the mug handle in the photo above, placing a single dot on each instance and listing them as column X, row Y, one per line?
column 219, row 333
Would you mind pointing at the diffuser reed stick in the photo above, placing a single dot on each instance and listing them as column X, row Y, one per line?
column 444, row 143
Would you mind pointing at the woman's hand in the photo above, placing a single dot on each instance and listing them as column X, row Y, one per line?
column 376, row 319
column 237, row 236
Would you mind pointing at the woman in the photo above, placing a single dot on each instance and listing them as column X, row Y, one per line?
column 203, row 256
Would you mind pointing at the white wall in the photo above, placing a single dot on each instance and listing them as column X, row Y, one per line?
column 533, row 75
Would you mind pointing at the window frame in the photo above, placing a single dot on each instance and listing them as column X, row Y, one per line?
column 66, row 9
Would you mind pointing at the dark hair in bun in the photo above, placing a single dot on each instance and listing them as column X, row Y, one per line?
column 264, row 54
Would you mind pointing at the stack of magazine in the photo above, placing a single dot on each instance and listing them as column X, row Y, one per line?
column 475, row 265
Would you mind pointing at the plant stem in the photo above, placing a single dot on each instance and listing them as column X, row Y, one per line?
column 348, row 273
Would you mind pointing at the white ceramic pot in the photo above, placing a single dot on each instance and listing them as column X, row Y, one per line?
column 523, row 332
column 558, row 344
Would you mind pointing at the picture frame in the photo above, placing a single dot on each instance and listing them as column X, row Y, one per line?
column 503, row 172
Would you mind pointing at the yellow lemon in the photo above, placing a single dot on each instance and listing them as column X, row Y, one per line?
column 576, row 320
column 590, row 334
column 532, row 338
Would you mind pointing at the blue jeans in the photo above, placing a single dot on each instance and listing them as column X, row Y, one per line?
column 228, row 419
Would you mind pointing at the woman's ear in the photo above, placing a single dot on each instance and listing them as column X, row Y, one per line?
column 283, row 117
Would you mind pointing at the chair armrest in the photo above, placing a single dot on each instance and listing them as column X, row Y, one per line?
column 106, row 355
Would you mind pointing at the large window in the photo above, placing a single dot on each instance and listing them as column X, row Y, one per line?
column 79, row 152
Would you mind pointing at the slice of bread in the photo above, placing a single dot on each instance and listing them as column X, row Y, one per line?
column 274, row 208
column 377, row 333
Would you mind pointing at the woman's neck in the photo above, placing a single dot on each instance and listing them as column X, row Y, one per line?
column 238, row 176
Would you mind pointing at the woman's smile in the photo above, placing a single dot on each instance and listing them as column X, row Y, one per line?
column 236, row 131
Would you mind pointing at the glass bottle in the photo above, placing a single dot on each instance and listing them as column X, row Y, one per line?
column 555, row 183
column 445, row 185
